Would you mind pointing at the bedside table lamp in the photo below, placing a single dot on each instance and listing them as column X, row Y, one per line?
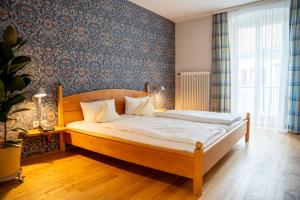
column 40, row 93
column 161, row 92
column 157, row 93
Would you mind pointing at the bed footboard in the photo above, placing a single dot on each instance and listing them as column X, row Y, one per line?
column 168, row 160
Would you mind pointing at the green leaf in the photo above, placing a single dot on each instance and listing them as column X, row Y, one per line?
column 26, row 75
column 20, row 93
column 7, row 145
column 15, row 100
column 6, row 54
column 22, row 130
column 13, row 143
column 19, row 110
column 16, row 83
column 20, row 42
column 2, row 91
column 14, row 140
column 10, row 35
column 26, row 80
column 18, row 63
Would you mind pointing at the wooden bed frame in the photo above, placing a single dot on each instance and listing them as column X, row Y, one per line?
column 187, row 164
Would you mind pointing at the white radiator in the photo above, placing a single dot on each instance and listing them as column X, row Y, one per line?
column 192, row 91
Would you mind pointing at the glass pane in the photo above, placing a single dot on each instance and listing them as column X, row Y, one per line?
column 246, row 44
column 246, row 72
column 272, row 36
column 269, row 105
column 246, row 99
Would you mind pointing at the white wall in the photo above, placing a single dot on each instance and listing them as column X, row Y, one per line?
column 193, row 45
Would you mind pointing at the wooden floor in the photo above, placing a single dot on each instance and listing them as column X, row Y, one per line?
column 267, row 168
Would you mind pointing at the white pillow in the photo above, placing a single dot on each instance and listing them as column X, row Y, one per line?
column 132, row 104
column 91, row 109
column 108, row 112
column 145, row 109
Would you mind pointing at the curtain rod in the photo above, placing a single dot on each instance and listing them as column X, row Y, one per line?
column 234, row 8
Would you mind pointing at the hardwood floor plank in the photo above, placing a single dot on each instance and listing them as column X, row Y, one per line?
column 266, row 168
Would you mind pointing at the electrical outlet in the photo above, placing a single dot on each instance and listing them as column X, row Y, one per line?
column 35, row 124
column 44, row 122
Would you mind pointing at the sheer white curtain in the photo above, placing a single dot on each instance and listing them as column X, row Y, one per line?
column 259, row 41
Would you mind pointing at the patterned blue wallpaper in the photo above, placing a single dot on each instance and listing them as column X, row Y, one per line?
column 89, row 45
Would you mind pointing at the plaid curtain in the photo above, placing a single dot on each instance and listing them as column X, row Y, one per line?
column 220, row 75
column 294, row 69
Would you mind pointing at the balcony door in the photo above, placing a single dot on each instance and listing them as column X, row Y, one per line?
column 259, row 62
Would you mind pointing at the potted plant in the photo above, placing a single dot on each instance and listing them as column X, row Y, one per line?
column 13, row 81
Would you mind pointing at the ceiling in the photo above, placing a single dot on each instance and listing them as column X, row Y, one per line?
column 182, row 10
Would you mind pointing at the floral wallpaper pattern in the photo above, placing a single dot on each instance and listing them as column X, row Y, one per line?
column 89, row 45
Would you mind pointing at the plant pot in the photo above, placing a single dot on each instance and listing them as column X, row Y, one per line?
column 10, row 163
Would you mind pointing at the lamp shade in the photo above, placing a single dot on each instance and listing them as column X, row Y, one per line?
column 40, row 93
column 162, row 88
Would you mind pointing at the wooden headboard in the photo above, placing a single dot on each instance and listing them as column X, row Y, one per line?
column 69, row 109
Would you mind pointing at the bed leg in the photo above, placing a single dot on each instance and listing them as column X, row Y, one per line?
column 197, row 185
column 198, row 169
column 247, row 136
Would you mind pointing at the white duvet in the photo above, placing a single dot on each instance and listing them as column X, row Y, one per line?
column 152, row 130
column 167, row 129
column 200, row 116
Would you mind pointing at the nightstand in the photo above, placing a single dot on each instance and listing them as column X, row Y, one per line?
column 57, row 130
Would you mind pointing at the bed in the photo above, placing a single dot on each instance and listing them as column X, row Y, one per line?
column 191, row 160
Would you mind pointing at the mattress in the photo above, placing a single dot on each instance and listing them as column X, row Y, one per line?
column 158, row 131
